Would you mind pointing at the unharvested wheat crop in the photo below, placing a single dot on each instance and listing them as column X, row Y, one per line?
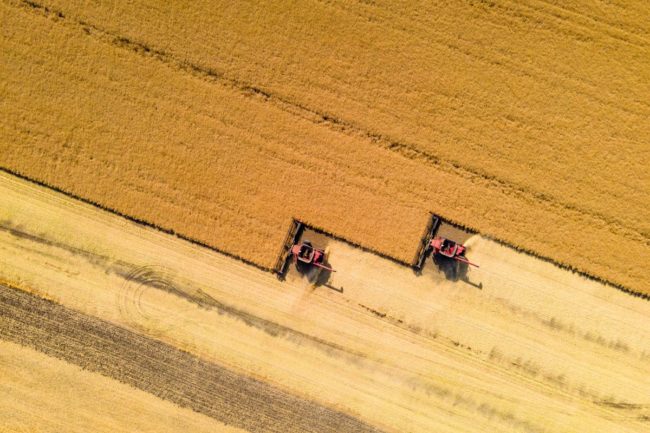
column 548, row 97
column 361, row 128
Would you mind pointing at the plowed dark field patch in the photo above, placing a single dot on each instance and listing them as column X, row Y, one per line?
column 162, row 370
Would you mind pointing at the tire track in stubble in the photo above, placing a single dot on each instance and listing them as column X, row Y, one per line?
column 138, row 280
column 405, row 150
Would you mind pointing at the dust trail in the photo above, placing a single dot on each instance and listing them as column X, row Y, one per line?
column 151, row 277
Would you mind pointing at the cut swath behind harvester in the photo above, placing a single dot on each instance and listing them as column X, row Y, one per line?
column 447, row 254
column 309, row 260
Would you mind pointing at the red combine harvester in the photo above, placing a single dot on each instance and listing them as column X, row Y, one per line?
column 447, row 254
column 450, row 249
column 308, row 260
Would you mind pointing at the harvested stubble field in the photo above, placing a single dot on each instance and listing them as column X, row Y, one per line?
column 536, row 350
column 526, row 121
column 49, row 395
column 160, row 369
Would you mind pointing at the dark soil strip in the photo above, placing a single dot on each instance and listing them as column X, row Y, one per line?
column 162, row 370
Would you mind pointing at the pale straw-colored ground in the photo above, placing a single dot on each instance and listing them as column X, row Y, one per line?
column 535, row 349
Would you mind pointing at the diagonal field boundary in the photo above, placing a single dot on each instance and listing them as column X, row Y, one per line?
column 162, row 370
column 197, row 242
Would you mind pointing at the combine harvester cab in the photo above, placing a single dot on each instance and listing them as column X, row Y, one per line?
column 450, row 249
column 306, row 253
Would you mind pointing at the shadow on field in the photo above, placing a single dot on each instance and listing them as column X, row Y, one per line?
column 454, row 270
column 315, row 275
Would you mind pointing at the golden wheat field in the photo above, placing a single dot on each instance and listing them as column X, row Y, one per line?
column 525, row 122
column 153, row 156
